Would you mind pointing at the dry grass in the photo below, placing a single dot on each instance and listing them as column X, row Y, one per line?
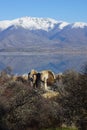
column 50, row 94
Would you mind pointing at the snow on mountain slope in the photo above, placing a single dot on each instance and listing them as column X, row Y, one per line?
column 32, row 31
column 63, row 24
column 30, row 23
column 4, row 24
column 54, row 44
column 79, row 25
column 33, row 23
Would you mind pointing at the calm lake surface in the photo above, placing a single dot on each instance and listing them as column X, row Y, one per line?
column 23, row 62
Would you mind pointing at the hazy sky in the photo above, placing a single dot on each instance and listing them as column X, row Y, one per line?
column 65, row 10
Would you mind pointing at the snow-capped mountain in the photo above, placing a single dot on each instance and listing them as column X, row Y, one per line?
column 79, row 25
column 32, row 31
column 33, row 23
column 48, row 44
column 30, row 23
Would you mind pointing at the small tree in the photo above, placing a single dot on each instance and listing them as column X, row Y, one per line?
column 8, row 70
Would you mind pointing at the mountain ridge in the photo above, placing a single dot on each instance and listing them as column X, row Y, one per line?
column 39, row 23
column 48, row 33
column 44, row 44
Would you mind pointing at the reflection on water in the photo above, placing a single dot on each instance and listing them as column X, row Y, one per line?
column 57, row 62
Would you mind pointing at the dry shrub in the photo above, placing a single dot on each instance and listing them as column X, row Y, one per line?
column 24, row 107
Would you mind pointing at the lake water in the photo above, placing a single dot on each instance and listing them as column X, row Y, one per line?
column 23, row 62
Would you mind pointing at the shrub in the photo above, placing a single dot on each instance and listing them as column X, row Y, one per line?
column 73, row 101
column 24, row 107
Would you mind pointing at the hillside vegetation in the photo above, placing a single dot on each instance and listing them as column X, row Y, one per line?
column 24, row 108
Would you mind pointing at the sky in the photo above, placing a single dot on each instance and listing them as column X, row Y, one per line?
column 65, row 10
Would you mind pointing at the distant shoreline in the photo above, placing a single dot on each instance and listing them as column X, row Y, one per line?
column 70, row 52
